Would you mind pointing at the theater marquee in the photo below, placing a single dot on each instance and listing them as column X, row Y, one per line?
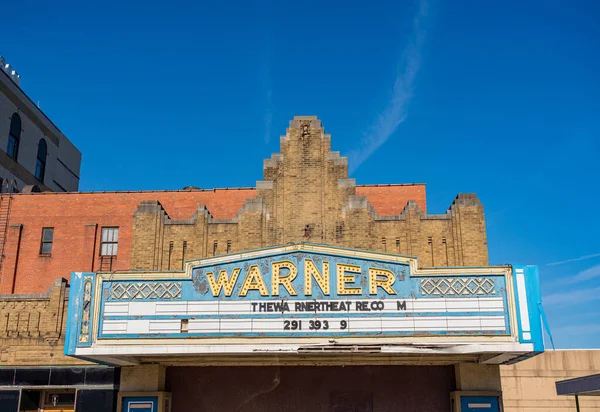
column 284, row 297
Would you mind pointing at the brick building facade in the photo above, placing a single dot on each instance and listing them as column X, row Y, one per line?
column 305, row 196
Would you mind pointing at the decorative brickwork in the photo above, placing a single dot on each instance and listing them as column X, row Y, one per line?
column 32, row 328
column 306, row 195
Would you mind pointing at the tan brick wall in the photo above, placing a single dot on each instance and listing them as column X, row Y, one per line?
column 32, row 328
column 477, row 377
column 529, row 386
column 142, row 378
column 307, row 185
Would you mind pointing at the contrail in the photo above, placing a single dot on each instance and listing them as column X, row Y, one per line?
column 395, row 112
column 562, row 262
column 264, row 21
column 268, row 119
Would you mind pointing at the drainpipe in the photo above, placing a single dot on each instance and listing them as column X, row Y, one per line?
column 14, row 277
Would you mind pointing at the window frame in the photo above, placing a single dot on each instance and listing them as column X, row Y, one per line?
column 14, row 136
column 113, row 243
column 40, row 163
column 44, row 242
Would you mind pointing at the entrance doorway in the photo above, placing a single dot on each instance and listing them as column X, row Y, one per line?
column 49, row 400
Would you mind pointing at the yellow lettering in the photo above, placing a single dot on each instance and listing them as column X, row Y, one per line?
column 254, row 281
column 285, row 281
column 223, row 281
column 385, row 284
column 310, row 271
column 343, row 279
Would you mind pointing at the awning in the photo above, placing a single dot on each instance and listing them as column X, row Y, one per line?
column 583, row 386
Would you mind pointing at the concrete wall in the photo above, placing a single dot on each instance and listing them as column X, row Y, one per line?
column 529, row 386
column 315, row 389
column 63, row 159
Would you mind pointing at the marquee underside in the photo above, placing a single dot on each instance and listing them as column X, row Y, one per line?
column 316, row 354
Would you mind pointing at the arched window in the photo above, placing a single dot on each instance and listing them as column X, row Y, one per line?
column 14, row 136
column 40, row 165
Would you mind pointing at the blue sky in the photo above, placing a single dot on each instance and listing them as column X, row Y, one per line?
column 500, row 99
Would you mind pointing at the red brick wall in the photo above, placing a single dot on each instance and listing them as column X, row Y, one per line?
column 389, row 200
column 77, row 219
column 74, row 217
column 315, row 389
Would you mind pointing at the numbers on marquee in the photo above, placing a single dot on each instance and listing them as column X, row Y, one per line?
column 312, row 325
column 292, row 325
column 317, row 324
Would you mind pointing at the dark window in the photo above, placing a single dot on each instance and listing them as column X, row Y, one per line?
column 339, row 232
column 67, row 376
column 30, row 400
column 40, row 165
column 102, row 376
column 215, row 246
column 110, row 241
column 47, row 239
column 96, row 400
column 7, row 377
column 9, row 400
column 228, row 246
column 14, row 136
column 59, row 397
column 32, row 377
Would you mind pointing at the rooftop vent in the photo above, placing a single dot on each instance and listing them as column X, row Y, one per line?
column 9, row 70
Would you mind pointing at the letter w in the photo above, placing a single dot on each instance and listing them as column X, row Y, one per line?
column 223, row 282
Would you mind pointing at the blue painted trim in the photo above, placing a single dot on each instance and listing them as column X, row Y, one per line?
column 73, row 313
column 465, row 401
column 91, row 307
column 306, row 334
column 532, row 279
column 129, row 399
column 533, row 301
column 307, row 315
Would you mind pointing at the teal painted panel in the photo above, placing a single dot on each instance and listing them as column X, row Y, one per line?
column 306, row 294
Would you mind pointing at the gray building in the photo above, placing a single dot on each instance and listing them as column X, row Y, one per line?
column 33, row 151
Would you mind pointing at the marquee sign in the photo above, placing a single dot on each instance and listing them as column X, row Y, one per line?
column 302, row 291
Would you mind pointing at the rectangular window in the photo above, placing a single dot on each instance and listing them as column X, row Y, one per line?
column 13, row 146
column 47, row 239
column 110, row 241
column 228, row 246
column 40, row 168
